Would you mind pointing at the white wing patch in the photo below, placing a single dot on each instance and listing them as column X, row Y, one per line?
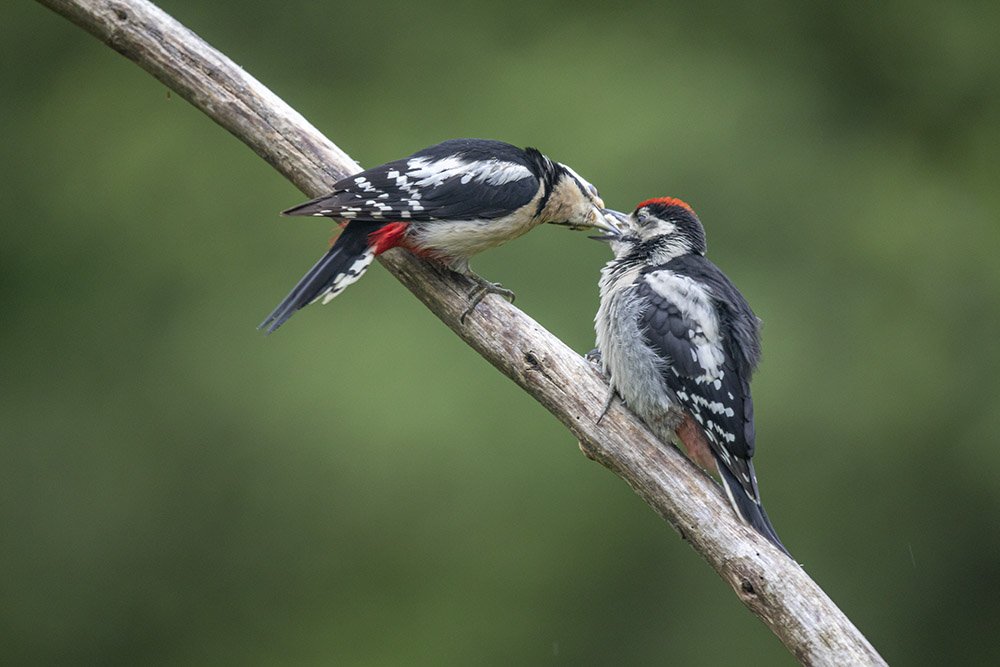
column 428, row 173
column 694, row 302
column 365, row 184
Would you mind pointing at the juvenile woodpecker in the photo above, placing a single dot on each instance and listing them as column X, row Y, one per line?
column 446, row 202
column 680, row 344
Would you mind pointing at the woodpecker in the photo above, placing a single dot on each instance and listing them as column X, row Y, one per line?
column 680, row 344
column 446, row 202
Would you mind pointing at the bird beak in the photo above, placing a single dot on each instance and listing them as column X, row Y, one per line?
column 609, row 223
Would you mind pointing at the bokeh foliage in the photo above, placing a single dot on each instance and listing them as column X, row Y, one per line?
column 361, row 488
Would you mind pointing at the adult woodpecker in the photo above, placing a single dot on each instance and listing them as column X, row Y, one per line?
column 680, row 344
column 447, row 202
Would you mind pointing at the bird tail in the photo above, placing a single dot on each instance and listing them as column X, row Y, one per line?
column 343, row 264
column 749, row 509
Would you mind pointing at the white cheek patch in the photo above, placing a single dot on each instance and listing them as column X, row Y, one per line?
column 584, row 183
column 647, row 231
column 664, row 228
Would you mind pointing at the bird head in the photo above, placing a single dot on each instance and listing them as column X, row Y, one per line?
column 658, row 230
column 573, row 202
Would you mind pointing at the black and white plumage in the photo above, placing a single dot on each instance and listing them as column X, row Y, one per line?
column 447, row 202
column 680, row 344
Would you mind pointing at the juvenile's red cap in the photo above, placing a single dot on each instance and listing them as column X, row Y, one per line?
column 665, row 201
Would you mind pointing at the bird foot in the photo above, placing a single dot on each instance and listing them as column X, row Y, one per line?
column 594, row 357
column 607, row 405
column 485, row 287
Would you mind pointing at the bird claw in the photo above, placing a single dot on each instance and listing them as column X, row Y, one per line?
column 594, row 357
column 607, row 405
column 485, row 287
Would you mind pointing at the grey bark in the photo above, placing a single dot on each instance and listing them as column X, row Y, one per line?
column 772, row 586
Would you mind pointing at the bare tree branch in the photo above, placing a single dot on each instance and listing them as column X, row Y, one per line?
column 771, row 585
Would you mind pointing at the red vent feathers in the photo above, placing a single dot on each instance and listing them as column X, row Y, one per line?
column 388, row 236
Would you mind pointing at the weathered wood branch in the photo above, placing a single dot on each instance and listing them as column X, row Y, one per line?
column 771, row 585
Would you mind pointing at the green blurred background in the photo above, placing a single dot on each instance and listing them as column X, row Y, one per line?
column 361, row 488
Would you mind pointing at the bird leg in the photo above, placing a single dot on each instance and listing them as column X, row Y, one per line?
column 485, row 287
column 594, row 357
column 607, row 405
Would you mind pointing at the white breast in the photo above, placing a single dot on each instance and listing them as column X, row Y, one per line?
column 455, row 241
column 634, row 368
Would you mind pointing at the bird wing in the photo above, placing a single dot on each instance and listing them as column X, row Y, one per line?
column 680, row 321
column 426, row 187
